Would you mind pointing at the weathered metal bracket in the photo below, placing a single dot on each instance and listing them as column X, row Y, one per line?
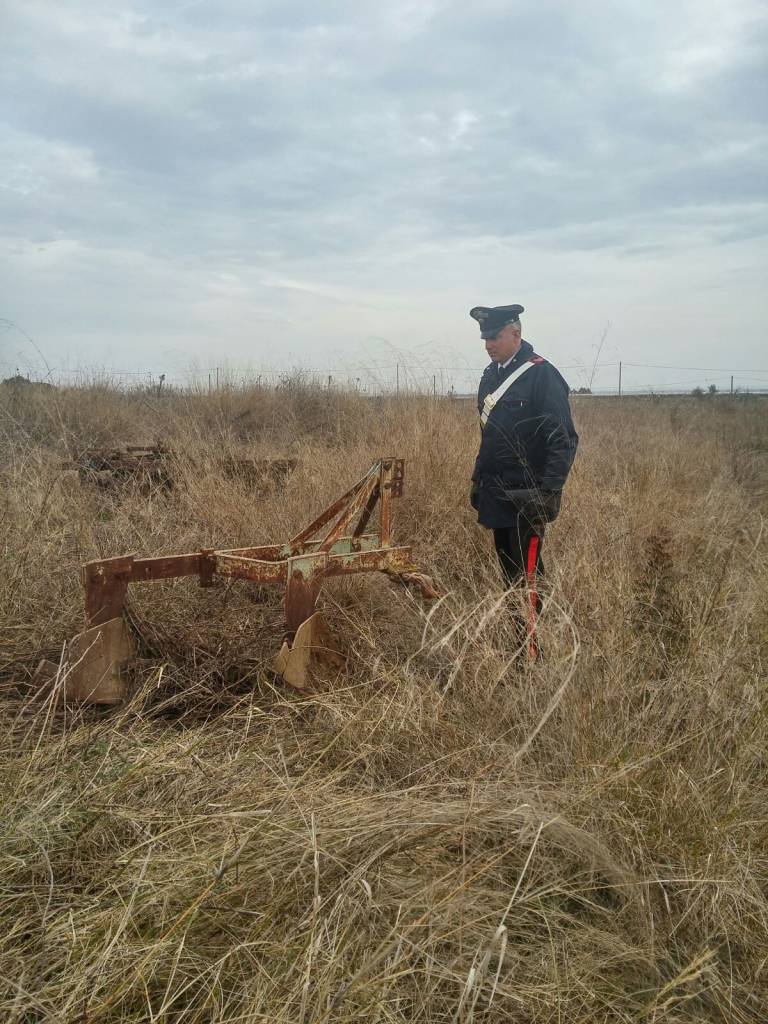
column 334, row 544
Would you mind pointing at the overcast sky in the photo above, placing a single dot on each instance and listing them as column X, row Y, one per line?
column 189, row 183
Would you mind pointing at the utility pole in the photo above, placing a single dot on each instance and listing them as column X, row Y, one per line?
column 217, row 378
column 434, row 386
column 731, row 385
column 330, row 378
column 619, row 379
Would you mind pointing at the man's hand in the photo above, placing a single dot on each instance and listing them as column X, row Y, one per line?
column 474, row 495
column 537, row 506
column 549, row 505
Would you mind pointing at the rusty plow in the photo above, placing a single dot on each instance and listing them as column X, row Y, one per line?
column 339, row 542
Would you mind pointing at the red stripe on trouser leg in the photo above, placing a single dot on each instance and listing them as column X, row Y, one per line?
column 533, row 597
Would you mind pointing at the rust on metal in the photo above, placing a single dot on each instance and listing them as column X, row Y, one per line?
column 165, row 567
column 390, row 560
column 364, row 542
column 305, row 577
column 207, row 567
column 94, row 662
column 398, row 476
column 106, row 467
column 385, row 509
column 267, row 553
column 322, row 551
column 153, row 465
column 258, row 571
column 356, row 507
column 333, row 510
column 367, row 512
column 106, row 583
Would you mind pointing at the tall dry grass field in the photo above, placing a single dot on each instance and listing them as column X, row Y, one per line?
column 448, row 834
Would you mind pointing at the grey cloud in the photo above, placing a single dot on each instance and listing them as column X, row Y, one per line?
column 271, row 135
column 295, row 145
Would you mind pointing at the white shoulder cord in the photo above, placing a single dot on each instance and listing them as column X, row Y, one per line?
column 492, row 399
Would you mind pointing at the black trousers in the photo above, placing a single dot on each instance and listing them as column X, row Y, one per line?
column 519, row 551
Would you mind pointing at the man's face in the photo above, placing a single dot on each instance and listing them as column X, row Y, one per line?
column 504, row 345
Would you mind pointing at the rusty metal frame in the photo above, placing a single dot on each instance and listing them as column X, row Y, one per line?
column 147, row 463
column 154, row 463
column 334, row 544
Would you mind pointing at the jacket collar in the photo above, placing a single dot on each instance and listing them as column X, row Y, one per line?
column 522, row 355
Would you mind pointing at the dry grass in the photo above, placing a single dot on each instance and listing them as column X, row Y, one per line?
column 452, row 835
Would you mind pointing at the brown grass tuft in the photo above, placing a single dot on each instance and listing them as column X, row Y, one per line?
column 451, row 834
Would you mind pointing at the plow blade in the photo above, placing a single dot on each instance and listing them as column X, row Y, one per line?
column 95, row 659
column 314, row 653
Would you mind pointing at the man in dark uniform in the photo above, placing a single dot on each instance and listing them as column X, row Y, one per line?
column 527, row 446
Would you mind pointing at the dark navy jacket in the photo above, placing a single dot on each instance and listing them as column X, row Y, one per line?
column 528, row 442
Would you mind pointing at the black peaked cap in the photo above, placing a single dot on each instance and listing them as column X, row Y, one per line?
column 493, row 318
